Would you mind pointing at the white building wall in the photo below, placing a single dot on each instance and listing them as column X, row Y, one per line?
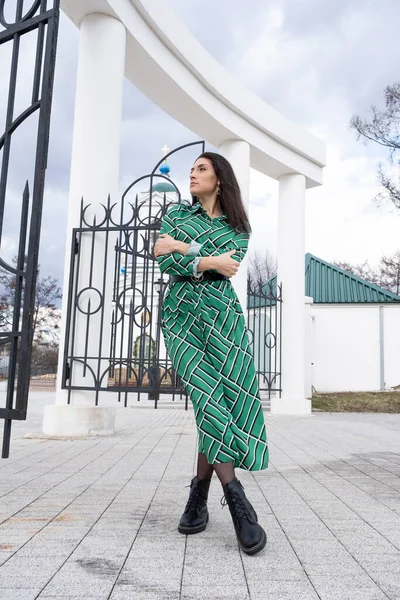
column 345, row 349
column 308, row 347
column 391, row 329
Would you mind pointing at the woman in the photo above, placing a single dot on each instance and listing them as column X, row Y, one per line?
column 201, row 247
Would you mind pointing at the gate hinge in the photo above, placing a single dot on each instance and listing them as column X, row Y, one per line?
column 67, row 372
column 76, row 247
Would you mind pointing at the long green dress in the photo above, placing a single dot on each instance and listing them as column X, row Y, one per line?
column 206, row 338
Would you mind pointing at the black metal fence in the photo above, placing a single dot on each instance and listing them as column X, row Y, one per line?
column 39, row 20
column 40, row 376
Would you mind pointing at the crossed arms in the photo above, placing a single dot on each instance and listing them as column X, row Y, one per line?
column 223, row 254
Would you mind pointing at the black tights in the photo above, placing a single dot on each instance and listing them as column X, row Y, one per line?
column 224, row 471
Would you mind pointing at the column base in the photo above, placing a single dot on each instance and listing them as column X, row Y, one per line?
column 286, row 406
column 65, row 420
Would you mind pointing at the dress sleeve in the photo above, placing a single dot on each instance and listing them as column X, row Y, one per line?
column 175, row 263
column 238, row 242
column 194, row 249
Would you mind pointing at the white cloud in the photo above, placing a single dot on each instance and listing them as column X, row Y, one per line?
column 342, row 220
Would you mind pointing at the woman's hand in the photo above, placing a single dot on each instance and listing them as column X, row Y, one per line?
column 226, row 265
column 164, row 245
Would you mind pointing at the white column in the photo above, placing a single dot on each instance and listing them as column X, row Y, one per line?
column 291, row 273
column 238, row 154
column 94, row 175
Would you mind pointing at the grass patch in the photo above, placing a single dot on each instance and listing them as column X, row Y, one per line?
column 383, row 402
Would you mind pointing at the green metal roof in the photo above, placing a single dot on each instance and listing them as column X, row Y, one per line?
column 328, row 284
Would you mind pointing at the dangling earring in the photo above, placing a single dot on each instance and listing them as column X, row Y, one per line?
column 218, row 191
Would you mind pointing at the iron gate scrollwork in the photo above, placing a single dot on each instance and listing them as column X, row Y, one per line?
column 114, row 341
column 16, row 326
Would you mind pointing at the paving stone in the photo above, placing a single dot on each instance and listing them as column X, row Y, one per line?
column 20, row 594
column 75, row 589
column 15, row 581
column 215, row 592
column 99, row 596
column 283, row 590
column 383, row 563
column 347, row 588
column 130, row 592
column 99, row 516
column 389, row 583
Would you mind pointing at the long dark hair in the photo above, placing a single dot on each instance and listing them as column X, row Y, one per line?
column 230, row 197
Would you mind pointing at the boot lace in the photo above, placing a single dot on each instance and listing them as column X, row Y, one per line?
column 240, row 510
column 195, row 498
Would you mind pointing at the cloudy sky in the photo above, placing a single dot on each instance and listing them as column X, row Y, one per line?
column 316, row 61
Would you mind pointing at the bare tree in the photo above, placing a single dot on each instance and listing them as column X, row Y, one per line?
column 390, row 272
column 262, row 267
column 46, row 316
column 383, row 128
column 386, row 275
column 362, row 270
column 46, row 319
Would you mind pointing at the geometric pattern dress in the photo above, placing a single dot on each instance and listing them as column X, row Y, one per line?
column 206, row 338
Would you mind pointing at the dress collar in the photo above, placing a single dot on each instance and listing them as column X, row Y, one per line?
column 197, row 207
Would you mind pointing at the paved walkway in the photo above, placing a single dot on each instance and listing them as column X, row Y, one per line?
column 97, row 518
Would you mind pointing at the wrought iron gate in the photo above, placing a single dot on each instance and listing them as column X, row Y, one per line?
column 16, row 326
column 113, row 338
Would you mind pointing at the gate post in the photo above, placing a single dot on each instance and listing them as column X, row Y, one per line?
column 94, row 175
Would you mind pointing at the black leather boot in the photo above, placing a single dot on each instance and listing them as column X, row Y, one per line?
column 195, row 516
column 251, row 536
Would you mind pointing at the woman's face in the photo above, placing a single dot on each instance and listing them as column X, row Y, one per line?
column 203, row 180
